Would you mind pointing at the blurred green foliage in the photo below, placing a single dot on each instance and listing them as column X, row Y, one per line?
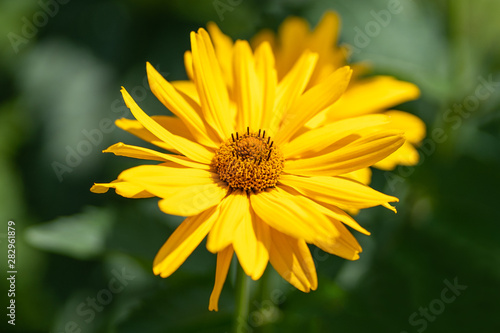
column 61, row 86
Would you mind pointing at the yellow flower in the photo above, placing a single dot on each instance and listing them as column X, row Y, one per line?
column 244, row 170
column 363, row 96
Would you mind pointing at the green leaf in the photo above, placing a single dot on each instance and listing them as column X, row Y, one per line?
column 81, row 236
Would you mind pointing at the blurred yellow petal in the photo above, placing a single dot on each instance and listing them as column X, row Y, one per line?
column 363, row 176
column 405, row 155
column 125, row 189
column 290, row 89
column 413, row 126
column 292, row 37
column 263, row 36
column 372, row 95
column 188, row 64
column 313, row 101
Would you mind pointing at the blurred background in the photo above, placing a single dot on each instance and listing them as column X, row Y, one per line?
column 84, row 260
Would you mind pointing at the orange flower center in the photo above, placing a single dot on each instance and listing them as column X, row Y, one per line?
column 249, row 161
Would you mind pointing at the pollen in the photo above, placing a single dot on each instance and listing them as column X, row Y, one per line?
column 250, row 161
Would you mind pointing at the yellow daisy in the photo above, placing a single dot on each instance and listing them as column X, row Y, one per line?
column 243, row 169
column 363, row 95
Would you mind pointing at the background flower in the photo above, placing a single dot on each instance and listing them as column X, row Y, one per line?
column 59, row 101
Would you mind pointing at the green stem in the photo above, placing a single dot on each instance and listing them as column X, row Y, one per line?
column 242, row 301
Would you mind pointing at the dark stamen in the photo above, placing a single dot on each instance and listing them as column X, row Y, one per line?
column 259, row 133
column 268, row 139
column 248, row 130
column 237, row 136
column 232, row 135
column 269, row 156
column 264, row 134
column 271, row 144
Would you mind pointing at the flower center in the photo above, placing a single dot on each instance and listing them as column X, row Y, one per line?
column 249, row 161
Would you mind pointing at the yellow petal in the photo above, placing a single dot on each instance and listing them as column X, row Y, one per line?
column 173, row 124
column 263, row 36
column 292, row 38
column 190, row 200
column 313, row 101
column 339, row 215
column 266, row 72
column 223, row 261
column 121, row 149
column 330, row 211
column 366, row 151
column 345, row 246
column 185, row 191
column 324, row 37
column 372, row 95
column 223, row 45
column 183, row 241
column 188, row 64
column 232, row 212
column 405, row 155
column 210, row 84
column 189, row 148
column 127, row 190
column 251, row 244
column 363, row 176
column 315, row 140
column 323, row 40
column 413, row 126
column 293, row 215
column 188, row 111
column 337, row 191
column 292, row 259
column 247, row 92
column 290, row 88
column 188, row 88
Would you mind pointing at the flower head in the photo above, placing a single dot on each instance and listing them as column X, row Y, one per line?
column 243, row 167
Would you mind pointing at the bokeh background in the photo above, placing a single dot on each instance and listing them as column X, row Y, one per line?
column 84, row 260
